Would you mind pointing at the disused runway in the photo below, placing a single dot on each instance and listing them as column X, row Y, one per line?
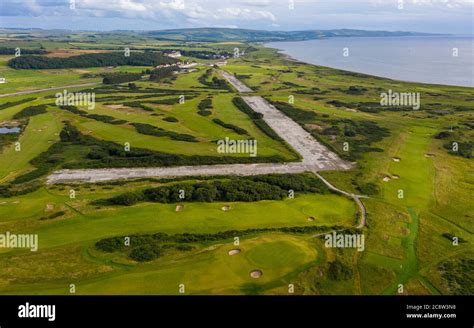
column 98, row 175
column 316, row 157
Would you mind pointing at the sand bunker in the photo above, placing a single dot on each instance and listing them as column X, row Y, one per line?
column 119, row 107
column 429, row 155
column 234, row 252
column 385, row 179
column 226, row 208
column 179, row 208
column 396, row 177
column 256, row 274
column 311, row 218
column 49, row 207
column 396, row 159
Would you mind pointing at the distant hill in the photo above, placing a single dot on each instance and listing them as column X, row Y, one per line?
column 208, row 34
column 231, row 34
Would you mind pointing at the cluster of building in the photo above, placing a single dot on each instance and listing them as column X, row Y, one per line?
column 189, row 65
column 174, row 54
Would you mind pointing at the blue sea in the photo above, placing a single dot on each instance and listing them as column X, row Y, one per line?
column 417, row 59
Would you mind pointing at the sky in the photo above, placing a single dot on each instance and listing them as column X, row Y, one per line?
column 432, row 16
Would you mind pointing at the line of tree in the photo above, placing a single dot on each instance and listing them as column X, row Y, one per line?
column 248, row 189
column 229, row 126
column 15, row 103
column 147, row 247
column 91, row 60
column 296, row 114
column 152, row 130
column 23, row 51
column 257, row 118
column 102, row 118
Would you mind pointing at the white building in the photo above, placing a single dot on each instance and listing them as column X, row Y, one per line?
column 174, row 54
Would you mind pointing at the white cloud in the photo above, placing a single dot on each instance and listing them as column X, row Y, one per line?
column 244, row 13
column 308, row 14
column 174, row 4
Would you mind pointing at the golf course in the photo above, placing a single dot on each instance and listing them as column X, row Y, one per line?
column 402, row 178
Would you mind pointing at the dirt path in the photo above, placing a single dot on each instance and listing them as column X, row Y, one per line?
column 356, row 198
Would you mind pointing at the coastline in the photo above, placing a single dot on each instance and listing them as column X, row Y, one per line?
column 286, row 56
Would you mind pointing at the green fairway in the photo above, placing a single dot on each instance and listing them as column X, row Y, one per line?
column 89, row 224
column 210, row 271
column 39, row 134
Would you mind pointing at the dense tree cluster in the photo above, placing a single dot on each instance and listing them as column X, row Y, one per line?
column 12, row 190
column 339, row 271
column 30, row 111
column 457, row 275
column 464, row 149
column 160, row 73
column 91, row 60
column 248, row 189
column 214, row 83
column 369, row 188
column 205, row 106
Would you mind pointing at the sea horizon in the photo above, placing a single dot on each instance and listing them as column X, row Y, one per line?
column 392, row 59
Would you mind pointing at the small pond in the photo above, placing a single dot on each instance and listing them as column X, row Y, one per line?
column 9, row 130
